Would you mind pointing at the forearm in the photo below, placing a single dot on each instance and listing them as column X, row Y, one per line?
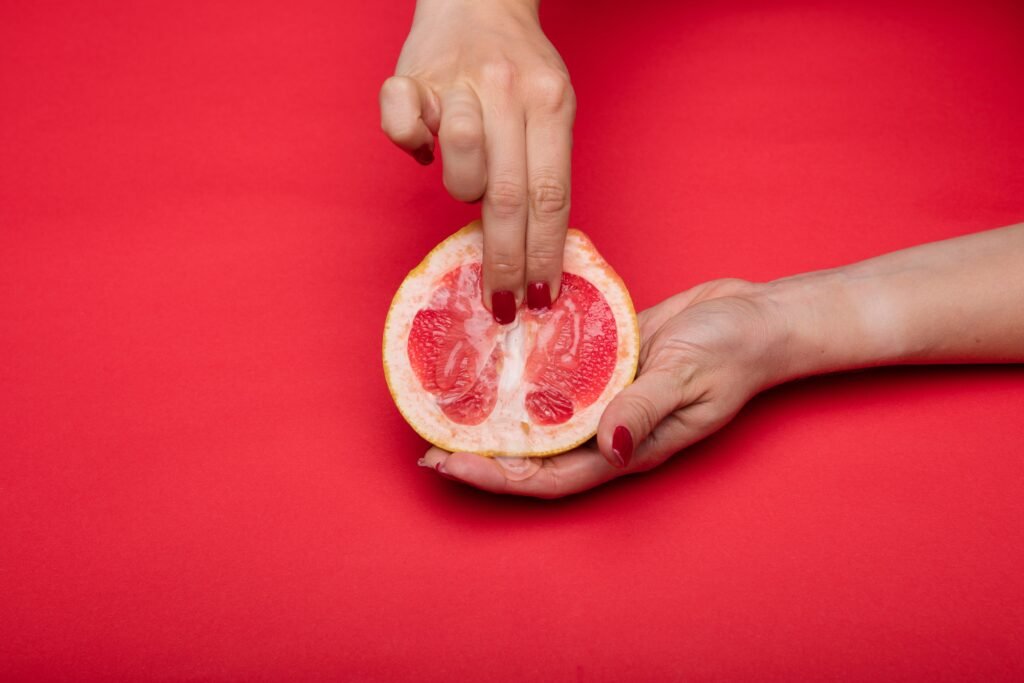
column 959, row 300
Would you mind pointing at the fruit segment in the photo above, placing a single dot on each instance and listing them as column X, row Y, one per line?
column 458, row 352
column 453, row 348
column 574, row 352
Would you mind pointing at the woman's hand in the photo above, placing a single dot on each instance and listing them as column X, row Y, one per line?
column 707, row 351
column 481, row 75
column 704, row 353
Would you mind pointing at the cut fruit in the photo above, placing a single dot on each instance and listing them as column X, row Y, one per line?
column 534, row 387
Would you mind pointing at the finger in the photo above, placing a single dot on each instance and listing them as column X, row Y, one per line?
column 685, row 427
column 462, row 141
column 409, row 115
column 504, row 208
column 635, row 412
column 549, row 158
column 551, row 477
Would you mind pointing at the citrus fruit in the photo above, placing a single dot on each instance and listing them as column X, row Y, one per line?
column 533, row 387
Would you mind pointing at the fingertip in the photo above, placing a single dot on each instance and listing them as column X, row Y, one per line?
column 504, row 292
column 433, row 458
column 402, row 103
column 555, row 286
column 607, row 448
column 538, row 296
column 504, row 306
column 476, row 470
column 545, row 253
column 622, row 446
column 470, row 193
column 394, row 88
column 424, row 154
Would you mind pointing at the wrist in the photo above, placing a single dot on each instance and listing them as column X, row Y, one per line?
column 829, row 321
column 432, row 6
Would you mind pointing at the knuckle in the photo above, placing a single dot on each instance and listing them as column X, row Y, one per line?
column 549, row 196
column 506, row 265
column 501, row 74
column 403, row 135
column 556, row 487
column 552, row 90
column 542, row 253
column 645, row 412
column 394, row 87
column 393, row 122
column 461, row 188
column 463, row 133
column 683, row 374
column 506, row 197
column 726, row 286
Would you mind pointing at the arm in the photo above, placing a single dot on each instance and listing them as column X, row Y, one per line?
column 959, row 300
column 708, row 350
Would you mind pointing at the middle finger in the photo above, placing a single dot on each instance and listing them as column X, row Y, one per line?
column 504, row 207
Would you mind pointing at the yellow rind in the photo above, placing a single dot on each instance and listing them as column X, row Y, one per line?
column 422, row 266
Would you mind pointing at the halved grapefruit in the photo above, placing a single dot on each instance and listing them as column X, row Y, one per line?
column 534, row 387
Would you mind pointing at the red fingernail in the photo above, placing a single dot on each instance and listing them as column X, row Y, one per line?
column 424, row 155
column 538, row 296
column 503, row 306
column 622, row 446
column 439, row 468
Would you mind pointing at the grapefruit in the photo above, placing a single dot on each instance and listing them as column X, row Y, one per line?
column 534, row 387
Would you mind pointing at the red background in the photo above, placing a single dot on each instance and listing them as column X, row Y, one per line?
column 203, row 475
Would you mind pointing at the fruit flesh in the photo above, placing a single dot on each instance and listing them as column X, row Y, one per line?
column 459, row 353
column 454, row 351
column 465, row 383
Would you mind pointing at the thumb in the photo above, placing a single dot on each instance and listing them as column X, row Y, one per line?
column 635, row 412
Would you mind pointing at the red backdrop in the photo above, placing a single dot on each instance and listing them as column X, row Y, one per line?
column 202, row 472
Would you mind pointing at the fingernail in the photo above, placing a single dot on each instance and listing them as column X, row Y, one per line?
column 538, row 296
column 503, row 306
column 439, row 468
column 622, row 446
column 424, row 155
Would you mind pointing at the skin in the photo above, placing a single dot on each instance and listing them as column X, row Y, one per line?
column 482, row 77
column 709, row 350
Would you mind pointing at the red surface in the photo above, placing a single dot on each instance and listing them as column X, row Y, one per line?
column 202, row 473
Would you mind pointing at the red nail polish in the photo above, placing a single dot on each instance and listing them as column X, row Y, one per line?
column 622, row 446
column 503, row 306
column 538, row 296
column 442, row 471
column 424, row 155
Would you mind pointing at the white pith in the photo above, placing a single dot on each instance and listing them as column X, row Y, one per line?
column 508, row 429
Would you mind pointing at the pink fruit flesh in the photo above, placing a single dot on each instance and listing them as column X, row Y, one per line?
column 456, row 350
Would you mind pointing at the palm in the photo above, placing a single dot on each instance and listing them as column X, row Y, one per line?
column 693, row 337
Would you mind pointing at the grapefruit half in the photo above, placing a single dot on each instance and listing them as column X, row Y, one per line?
column 534, row 387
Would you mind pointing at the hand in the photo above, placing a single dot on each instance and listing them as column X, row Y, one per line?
column 704, row 353
column 707, row 351
column 481, row 75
